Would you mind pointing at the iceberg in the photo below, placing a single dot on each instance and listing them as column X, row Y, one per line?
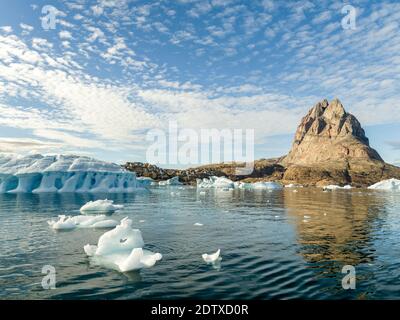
column 335, row 187
column 62, row 173
column 267, row 186
column 100, row 206
column 227, row 184
column 212, row 258
column 215, row 182
column 170, row 182
column 293, row 185
column 69, row 223
column 390, row 184
column 122, row 249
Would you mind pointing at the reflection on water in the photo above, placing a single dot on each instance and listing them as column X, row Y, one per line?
column 335, row 226
column 274, row 245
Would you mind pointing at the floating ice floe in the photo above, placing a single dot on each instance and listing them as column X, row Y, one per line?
column 390, row 184
column 62, row 173
column 122, row 249
column 293, row 185
column 225, row 183
column 267, row 186
column 212, row 258
column 335, row 187
column 197, row 224
column 101, row 206
column 68, row 222
column 215, row 182
column 170, row 182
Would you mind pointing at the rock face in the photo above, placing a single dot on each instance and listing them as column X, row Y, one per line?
column 329, row 134
column 330, row 146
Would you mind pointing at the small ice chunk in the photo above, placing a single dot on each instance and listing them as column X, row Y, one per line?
column 197, row 224
column 293, row 185
column 101, row 206
column 63, row 223
column 170, row 182
column 266, row 186
column 68, row 222
column 390, row 184
column 215, row 182
column 212, row 258
column 122, row 249
column 335, row 187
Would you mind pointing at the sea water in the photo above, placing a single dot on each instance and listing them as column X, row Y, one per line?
column 275, row 244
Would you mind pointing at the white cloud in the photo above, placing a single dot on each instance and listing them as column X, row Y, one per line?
column 6, row 29
column 65, row 35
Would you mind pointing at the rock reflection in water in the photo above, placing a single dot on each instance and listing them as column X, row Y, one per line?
column 334, row 226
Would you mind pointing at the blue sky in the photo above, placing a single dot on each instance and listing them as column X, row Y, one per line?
column 111, row 70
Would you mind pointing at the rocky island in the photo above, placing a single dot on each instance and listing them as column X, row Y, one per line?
column 330, row 147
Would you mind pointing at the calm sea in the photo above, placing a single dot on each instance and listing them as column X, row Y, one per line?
column 274, row 245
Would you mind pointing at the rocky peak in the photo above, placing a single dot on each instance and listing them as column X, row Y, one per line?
column 328, row 134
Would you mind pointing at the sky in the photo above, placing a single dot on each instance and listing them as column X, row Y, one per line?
column 94, row 80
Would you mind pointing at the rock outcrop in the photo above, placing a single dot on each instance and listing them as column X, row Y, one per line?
column 330, row 147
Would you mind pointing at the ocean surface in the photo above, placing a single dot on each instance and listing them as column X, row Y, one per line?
column 274, row 245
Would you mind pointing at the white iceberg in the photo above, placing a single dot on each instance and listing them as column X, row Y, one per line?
column 122, row 249
column 390, row 184
column 68, row 223
column 212, row 258
column 62, row 173
column 101, row 206
column 227, row 184
column 336, row 187
column 170, row 182
column 267, row 186
column 215, row 182
column 293, row 185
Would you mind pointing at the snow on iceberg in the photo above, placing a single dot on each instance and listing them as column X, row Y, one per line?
column 122, row 249
column 170, row 182
column 62, row 173
column 100, row 206
column 69, row 223
column 390, row 184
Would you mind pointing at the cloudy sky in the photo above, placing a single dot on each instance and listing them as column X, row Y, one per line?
column 110, row 70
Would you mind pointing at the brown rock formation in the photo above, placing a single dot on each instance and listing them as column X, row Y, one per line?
column 330, row 146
